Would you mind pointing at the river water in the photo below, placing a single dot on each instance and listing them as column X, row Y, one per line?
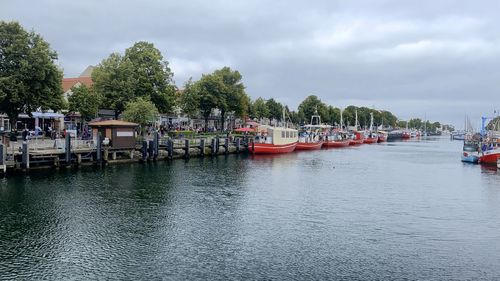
column 394, row 211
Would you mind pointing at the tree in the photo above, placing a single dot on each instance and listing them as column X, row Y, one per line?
column 260, row 108
column 114, row 82
column 275, row 109
column 141, row 72
column 141, row 111
column 85, row 101
column 313, row 105
column 29, row 78
column 189, row 100
column 152, row 75
column 231, row 95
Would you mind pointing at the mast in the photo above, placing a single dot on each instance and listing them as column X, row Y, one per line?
column 371, row 121
column 341, row 121
column 356, row 122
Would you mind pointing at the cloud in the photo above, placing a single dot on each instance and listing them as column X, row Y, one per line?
column 439, row 58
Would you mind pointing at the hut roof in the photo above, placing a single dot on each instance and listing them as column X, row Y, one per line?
column 113, row 123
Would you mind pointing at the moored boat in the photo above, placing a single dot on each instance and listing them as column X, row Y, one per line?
column 370, row 136
column 309, row 145
column 337, row 143
column 382, row 136
column 470, row 152
column 277, row 140
column 357, row 139
column 490, row 157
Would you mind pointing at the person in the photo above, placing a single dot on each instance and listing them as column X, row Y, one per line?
column 25, row 134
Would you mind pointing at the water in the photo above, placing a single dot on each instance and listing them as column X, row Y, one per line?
column 396, row 211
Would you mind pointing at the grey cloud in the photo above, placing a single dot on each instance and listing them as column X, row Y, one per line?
column 415, row 58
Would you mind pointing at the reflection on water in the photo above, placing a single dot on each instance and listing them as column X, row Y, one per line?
column 402, row 210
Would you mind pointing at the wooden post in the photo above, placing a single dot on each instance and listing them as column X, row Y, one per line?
column 217, row 144
column 26, row 156
column 78, row 159
column 99, row 148
column 202, row 147
column 226, row 146
column 151, row 150
column 113, row 155
column 68, row 149
column 213, row 146
column 132, row 154
column 3, row 165
column 186, row 148
column 238, row 143
column 144, row 150
column 170, row 149
column 106, row 154
column 157, row 145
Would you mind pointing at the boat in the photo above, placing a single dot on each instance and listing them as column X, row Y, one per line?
column 309, row 145
column 339, row 138
column 470, row 152
column 406, row 134
column 490, row 157
column 310, row 139
column 370, row 137
column 382, row 136
column 357, row 138
column 274, row 140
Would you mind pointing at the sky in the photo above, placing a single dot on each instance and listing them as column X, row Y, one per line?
column 431, row 59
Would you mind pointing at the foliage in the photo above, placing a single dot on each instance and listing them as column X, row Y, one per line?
column 141, row 111
column 85, row 101
column 260, row 109
column 113, row 81
column 275, row 109
column 313, row 105
column 231, row 95
column 152, row 75
column 30, row 80
column 141, row 72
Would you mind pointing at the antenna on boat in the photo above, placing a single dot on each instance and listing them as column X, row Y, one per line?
column 371, row 121
column 356, row 121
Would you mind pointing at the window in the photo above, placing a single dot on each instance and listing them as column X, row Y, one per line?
column 283, row 134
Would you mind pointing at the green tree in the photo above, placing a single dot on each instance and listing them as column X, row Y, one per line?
column 260, row 108
column 189, row 99
column 114, row 81
column 84, row 101
column 141, row 72
column 29, row 78
column 275, row 109
column 312, row 105
column 152, row 75
column 231, row 95
column 141, row 111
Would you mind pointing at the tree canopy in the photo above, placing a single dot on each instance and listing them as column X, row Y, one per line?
column 141, row 72
column 30, row 80
column 85, row 101
column 141, row 111
column 312, row 105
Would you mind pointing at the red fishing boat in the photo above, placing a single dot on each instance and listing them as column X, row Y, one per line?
column 382, row 136
column 370, row 140
column 336, row 143
column 490, row 157
column 275, row 140
column 309, row 145
column 357, row 140
column 310, row 137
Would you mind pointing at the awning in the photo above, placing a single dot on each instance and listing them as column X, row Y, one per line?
column 47, row 115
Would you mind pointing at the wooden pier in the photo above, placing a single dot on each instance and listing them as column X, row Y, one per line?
column 37, row 154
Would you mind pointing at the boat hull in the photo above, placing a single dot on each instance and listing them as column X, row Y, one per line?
column 469, row 158
column 309, row 145
column 356, row 142
column 371, row 140
column 489, row 158
column 337, row 144
column 266, row 148
column 382, row 139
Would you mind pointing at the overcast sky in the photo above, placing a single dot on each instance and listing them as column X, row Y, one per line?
column 439, row 59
